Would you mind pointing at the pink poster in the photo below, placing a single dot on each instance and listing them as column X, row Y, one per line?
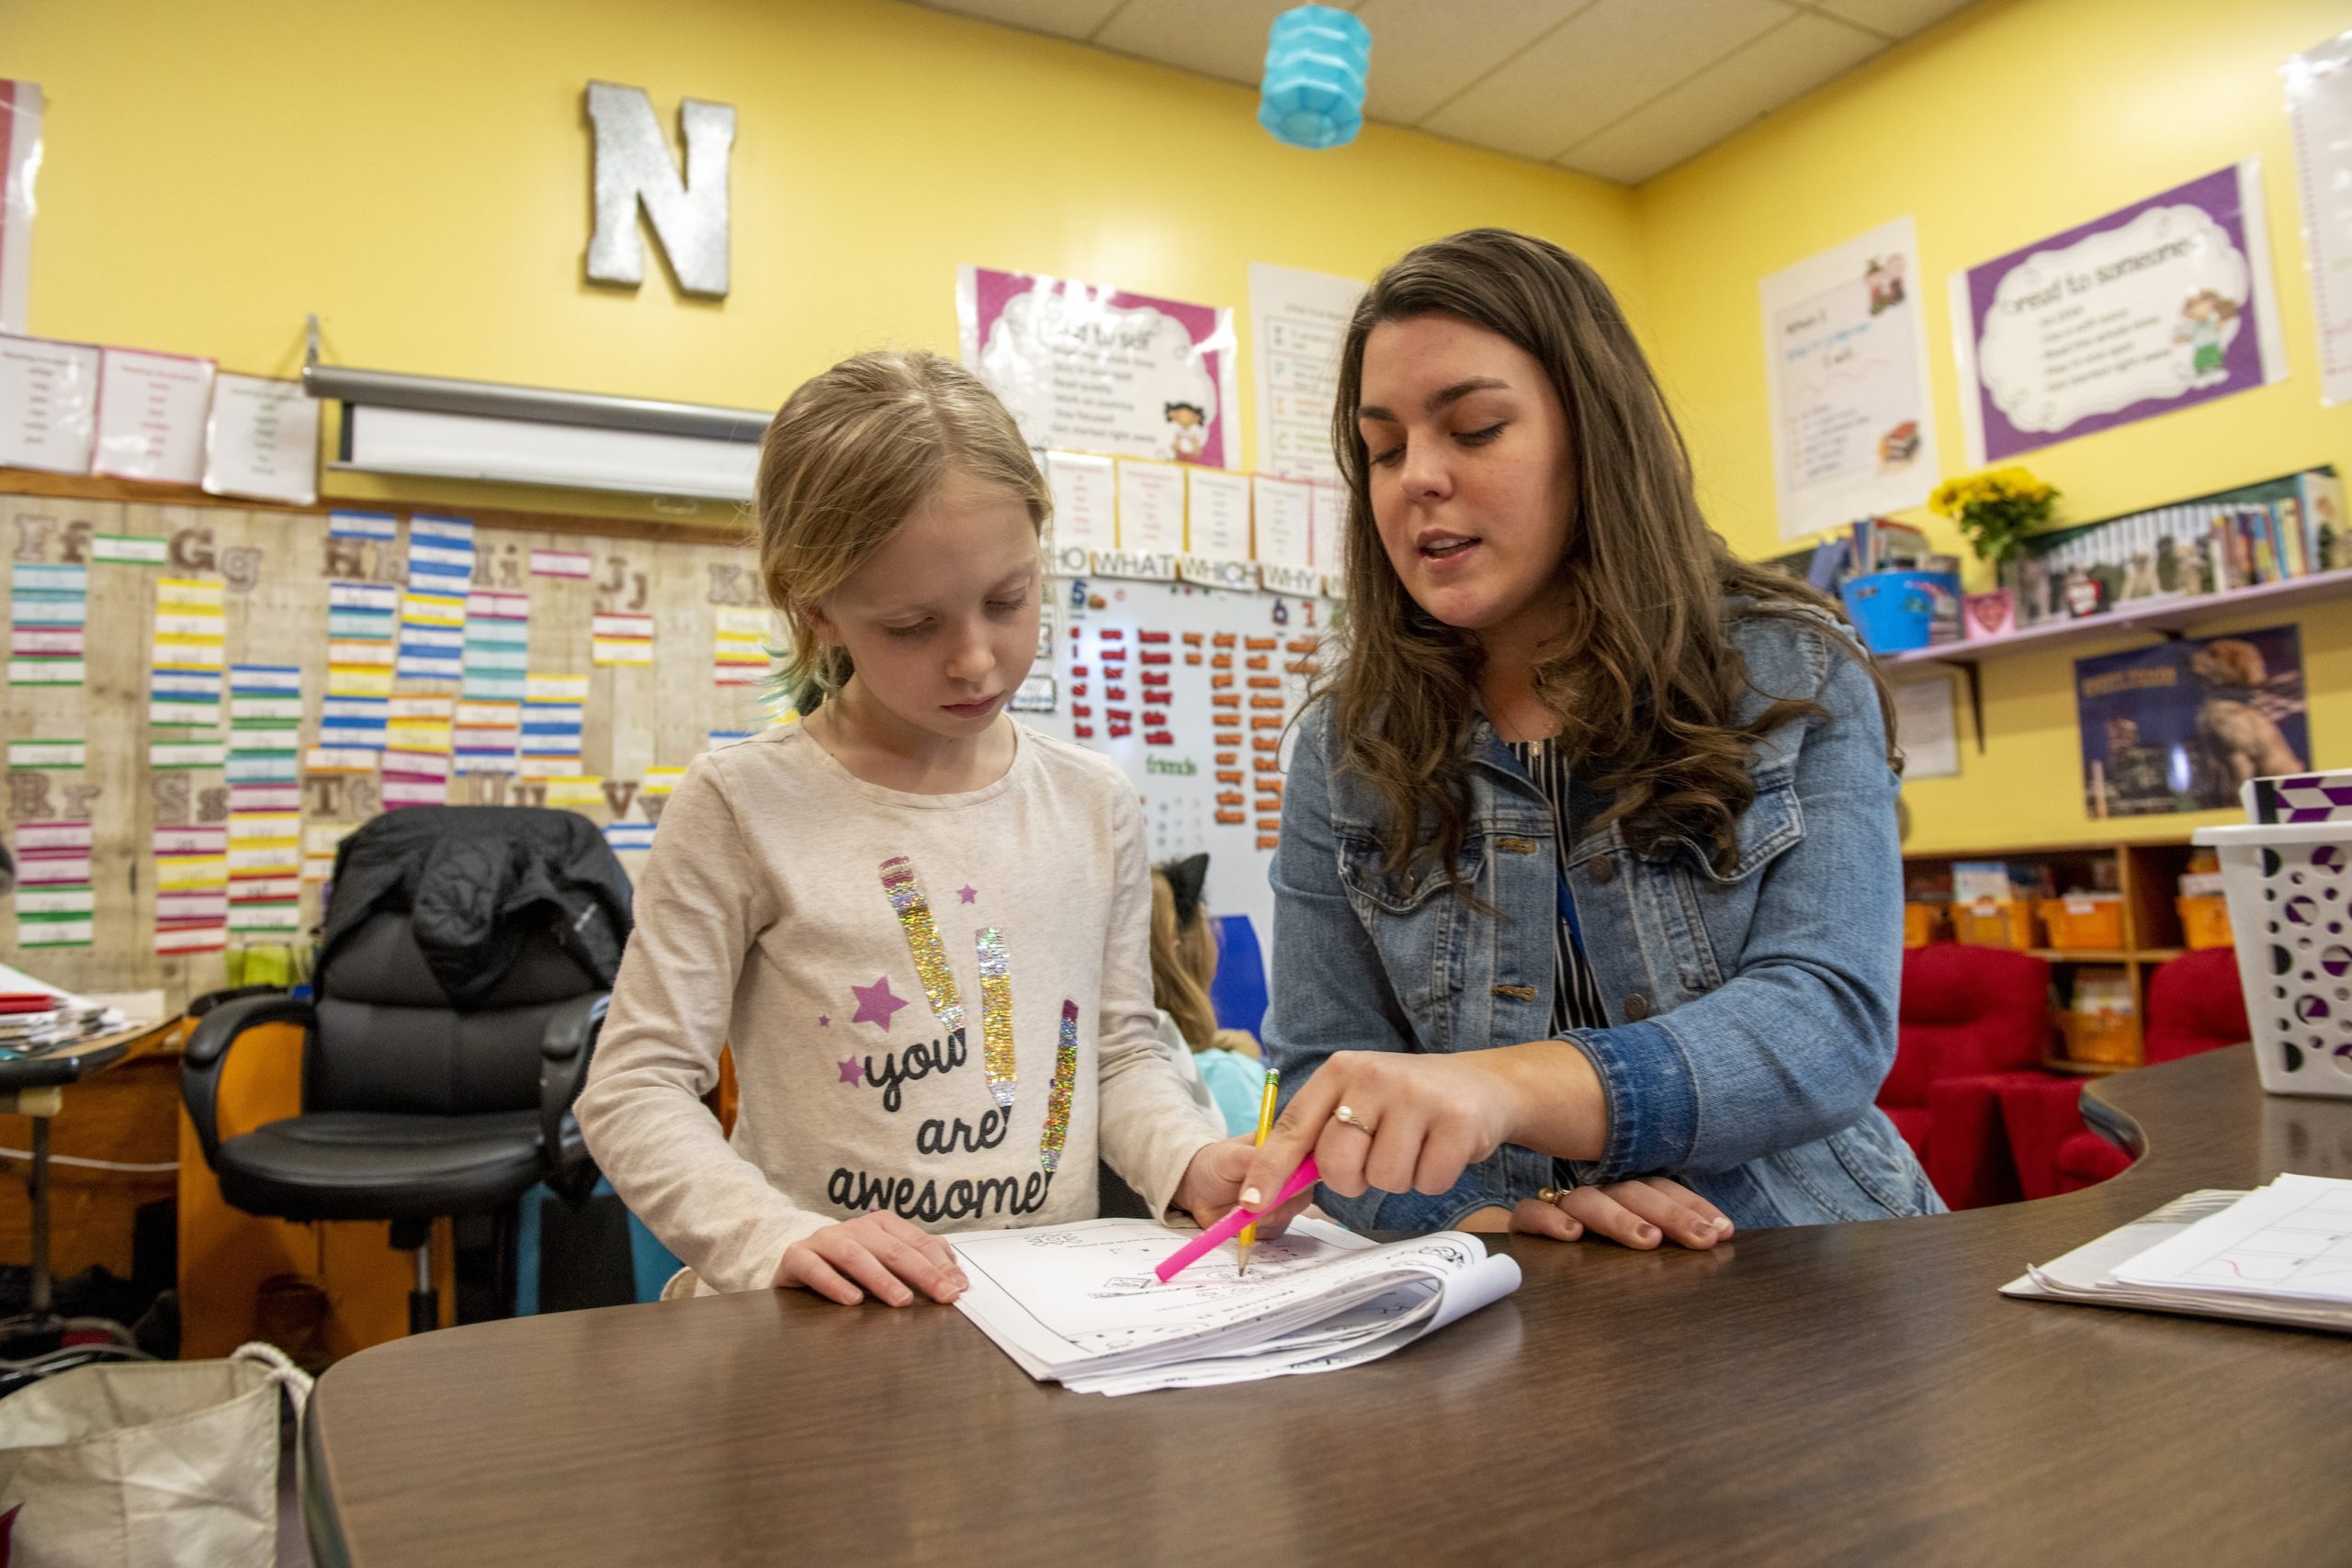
column 1092, row 369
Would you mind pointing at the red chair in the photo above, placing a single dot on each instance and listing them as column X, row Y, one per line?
column 1972, row 1020
column 2194, row 1004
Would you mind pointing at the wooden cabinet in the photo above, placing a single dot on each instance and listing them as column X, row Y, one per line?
column 2145, row 876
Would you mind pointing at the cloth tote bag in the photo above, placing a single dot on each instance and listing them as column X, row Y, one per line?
column 148, row 1464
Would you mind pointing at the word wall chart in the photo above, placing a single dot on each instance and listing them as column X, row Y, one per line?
column 1193, row 691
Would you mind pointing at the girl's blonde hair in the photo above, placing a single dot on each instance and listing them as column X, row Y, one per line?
column 844, row 462
column 1183, row 965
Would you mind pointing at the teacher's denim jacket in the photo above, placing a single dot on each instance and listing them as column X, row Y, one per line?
column 1751, row 1011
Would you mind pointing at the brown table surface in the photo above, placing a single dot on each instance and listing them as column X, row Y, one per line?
column 54, row 1067
column 1854, row 1394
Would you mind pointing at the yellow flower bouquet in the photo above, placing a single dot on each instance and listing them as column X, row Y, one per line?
column 1996, row 508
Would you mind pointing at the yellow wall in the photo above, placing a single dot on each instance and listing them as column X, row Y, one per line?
column 2015, row 119
column 418, row 174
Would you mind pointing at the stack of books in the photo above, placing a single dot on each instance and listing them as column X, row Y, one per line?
column 2276, row 531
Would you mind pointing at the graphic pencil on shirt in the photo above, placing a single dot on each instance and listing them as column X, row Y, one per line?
column 1049, row 1143
column 996, row 1015
column 904, row 889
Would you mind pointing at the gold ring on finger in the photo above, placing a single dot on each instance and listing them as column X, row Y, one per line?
column 1347, row 1117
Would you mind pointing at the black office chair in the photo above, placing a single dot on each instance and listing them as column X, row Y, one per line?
column 413, row 1107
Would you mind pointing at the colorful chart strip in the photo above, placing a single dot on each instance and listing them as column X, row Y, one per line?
column 55, row 906
column 740, row 646
column 620, row 639
column 498, row 645
column 48, row 607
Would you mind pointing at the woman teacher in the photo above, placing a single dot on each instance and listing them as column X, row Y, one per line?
column 1587, row 896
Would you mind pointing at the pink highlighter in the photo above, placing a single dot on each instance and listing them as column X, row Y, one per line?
column 1225, row 1229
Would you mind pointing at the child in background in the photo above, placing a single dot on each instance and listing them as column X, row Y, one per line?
column 923, row 928
column 1183, row 967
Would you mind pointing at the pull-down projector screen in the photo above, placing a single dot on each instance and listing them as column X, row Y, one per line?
column 383, row 440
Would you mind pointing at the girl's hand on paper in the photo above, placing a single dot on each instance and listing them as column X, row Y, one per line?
column 880, row 1254
column 1212, row 1184
column 1640, row 1214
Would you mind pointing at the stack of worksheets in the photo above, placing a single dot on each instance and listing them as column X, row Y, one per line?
column 1077, row 1304
column 2278, row 1254
column 35, row 1017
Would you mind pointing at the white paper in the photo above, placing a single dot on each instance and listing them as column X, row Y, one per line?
column 1086, row 503
column 2319, row 107
column 262, row 440
column 1297, row 320
column 20, row 117
column 1846, row 376
column 2291, row 1239
column 1331, row 533
column 1925, row 729
column 49, row 403
column 150, row 416
column 1217, row 514
column 1078, row 1304
column 1151, row 507
column 1285, row 523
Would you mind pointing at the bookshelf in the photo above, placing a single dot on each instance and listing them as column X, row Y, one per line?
column 2164, row 617
column 2146, row 874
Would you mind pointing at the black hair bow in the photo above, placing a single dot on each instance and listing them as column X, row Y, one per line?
column 1186, row 878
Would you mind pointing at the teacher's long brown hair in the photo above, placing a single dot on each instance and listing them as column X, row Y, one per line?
column 1645, row 678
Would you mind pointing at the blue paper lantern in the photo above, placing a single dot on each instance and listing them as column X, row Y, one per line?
column 1317, row 57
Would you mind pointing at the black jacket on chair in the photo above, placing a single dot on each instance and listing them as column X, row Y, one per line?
column 437, row 1078
column 474, row 881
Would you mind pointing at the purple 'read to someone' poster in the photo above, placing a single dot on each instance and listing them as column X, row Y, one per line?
column 2157, row 306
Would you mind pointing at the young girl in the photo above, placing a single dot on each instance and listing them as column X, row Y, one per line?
column 1587, row 901
column 922, row 928
column 1224, row 1062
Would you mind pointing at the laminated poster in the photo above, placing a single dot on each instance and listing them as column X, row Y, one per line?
column 2161, row 305
column 2182, row 725
column 1845, row 353
column 1092, row 368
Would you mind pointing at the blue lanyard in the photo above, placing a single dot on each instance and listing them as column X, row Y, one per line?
column 1568, row 911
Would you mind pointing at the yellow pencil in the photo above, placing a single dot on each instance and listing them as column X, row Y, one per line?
column 1265, row 1124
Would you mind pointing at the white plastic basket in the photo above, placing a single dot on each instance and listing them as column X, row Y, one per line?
column 2291, row 910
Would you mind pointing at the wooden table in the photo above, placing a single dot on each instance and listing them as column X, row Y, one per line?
column 33, row 1086
column 1855, row 1393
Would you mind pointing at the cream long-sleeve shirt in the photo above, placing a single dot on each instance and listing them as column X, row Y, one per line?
column 939, row 1005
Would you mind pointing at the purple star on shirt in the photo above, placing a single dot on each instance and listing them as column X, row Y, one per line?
column 851, row 1072
column 968, row 893
column 875, row 1002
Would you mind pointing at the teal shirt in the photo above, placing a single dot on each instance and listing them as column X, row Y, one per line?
column 1237, row 1083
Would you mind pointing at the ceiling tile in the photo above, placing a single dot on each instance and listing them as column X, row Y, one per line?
column 1423, row 54
column 1895, row 19
column 1785, row 64
column 1068, row 18
column 1603, row 63
column 1215, row 38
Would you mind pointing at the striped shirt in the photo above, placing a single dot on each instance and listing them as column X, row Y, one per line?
column 1576, row 994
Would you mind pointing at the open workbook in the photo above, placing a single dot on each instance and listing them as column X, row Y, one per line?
column 1077, row 1304
column 2278, row 1254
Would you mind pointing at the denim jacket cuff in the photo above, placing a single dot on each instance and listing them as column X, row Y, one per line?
column 1652, row 1101
column 1418, row 1213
